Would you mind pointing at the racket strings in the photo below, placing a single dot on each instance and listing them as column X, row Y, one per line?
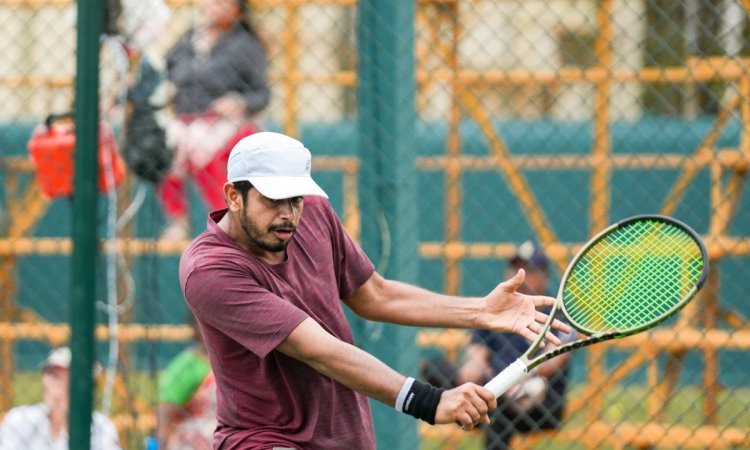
column 632, row 276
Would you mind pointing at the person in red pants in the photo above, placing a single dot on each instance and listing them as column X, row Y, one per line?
column 206, row 175
column 218, row 72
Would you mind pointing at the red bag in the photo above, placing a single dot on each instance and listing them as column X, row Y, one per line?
column 51, row 147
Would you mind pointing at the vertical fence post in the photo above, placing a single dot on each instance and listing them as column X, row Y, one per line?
column 83, row 263
column 386, row 119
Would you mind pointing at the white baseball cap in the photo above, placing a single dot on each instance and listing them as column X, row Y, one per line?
column 58, row 357
column 277, row 165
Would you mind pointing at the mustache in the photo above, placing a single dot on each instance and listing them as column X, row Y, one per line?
column 289, row 226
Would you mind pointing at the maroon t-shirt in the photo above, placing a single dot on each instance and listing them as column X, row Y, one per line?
column 246, row 307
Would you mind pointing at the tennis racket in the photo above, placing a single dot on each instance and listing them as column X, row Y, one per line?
column 627, row 279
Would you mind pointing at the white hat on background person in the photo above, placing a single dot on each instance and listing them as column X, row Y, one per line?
column 277, row 165
column 61, row 357
column 58, row 357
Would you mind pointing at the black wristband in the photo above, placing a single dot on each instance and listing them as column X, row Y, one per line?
column 422, row 401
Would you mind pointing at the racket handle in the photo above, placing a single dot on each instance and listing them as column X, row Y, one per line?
column 507, row 378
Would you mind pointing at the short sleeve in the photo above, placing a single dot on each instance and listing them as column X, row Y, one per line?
column 228, row 299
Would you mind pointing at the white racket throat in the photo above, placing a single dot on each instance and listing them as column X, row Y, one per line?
column 507, row 378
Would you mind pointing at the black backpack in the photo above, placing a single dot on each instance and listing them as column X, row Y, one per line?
column 145, row 148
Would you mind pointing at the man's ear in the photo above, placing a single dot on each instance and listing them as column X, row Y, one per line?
column 233, row 197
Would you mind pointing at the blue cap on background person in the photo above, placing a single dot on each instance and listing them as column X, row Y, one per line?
column 530, row 255
column 277, row 165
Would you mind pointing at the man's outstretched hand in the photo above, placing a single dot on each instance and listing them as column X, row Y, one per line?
column 507, row 310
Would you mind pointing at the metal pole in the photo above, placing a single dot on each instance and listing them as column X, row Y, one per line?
column 386, row 122
column 83, row 260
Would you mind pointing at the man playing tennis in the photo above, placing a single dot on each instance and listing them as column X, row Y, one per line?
column 266, row 282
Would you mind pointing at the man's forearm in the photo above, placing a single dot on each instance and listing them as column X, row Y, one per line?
column 396, row 302
column 343, row 362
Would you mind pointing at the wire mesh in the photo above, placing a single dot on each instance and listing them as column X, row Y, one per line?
column 538, row 121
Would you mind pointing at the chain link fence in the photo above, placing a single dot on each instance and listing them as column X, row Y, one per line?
column 539, row 121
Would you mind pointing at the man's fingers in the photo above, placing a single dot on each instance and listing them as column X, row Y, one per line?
column 489, row 397
column 561, row 326
column 556, row 324
column 482, row 403
column 536, row 328
column 466, row 421
column 542, row 300
column 541, row 317
column 552, row 338
column 471, row 405
column 530, row 336
column 512, row 284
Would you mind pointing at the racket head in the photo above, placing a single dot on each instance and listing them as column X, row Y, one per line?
column 633, row 275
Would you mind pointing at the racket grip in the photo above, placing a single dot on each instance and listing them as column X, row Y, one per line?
column 507, row 378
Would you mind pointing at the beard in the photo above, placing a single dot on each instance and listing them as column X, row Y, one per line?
column 253, row 233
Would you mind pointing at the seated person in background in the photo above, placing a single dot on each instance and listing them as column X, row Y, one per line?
column 44, row 426
column 218, row 71
column 538, row 401
column 187, row 400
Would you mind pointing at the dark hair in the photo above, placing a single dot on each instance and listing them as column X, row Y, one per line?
column 243, row 187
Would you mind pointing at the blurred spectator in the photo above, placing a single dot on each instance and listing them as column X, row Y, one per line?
column 187, row 400
column 44, row 426
column 218, row 72
column 538, row 401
